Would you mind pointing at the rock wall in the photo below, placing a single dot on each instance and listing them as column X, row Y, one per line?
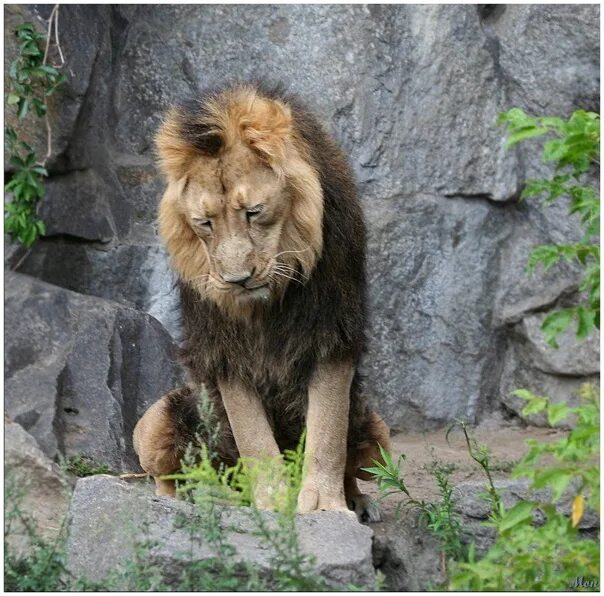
column 412, row 94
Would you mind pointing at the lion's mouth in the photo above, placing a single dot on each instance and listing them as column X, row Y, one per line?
column 260, row 292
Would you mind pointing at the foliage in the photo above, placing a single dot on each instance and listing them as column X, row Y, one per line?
column 482, row 456
column 549, row 555
column 574, row 149
column 573, row 460
column 31, row 82
column 441, row 518
column 211, row 486
column 82, row 466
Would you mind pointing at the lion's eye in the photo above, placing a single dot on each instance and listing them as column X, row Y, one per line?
column 252, row 211
column 204, row 223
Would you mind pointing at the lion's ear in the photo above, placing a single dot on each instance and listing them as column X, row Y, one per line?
column 182, row 137
column 268, row 128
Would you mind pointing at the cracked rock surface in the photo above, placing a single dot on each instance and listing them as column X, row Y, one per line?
column 412, row 93
column 80, row 371
column 117, row 515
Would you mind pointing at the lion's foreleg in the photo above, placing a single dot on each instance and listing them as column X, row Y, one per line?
column 327, row 429
column 255, row 442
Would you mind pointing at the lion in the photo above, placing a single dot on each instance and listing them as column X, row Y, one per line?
column 263, row 225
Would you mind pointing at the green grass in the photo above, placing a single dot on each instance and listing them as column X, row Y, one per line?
column 82, row 466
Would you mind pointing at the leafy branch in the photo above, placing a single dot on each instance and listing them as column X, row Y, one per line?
column 32, row 80
column 574, row 150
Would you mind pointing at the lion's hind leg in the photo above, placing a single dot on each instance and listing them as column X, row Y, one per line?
column 366, row 509
column 364, row 455
column 161, row 436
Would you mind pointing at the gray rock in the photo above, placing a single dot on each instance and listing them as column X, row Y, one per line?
column 86, row 214
column 136, row 275
column 573, row 357
column 36, row 487
column 374, row 60
column 530, row 363
column 109, row 517
column 538, row 52
column 408, row 554
column 80, row 371
column 432, row 355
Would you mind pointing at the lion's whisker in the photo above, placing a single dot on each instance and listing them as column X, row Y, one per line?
column 289, row 269
column 281, row 274
column 286, row 251
column 281, row 265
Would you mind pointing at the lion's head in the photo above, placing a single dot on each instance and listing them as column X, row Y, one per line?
column 242, row 214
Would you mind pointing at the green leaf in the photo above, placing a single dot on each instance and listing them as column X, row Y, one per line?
column 586, row 321
column 535, row 405
column 524, row 394
column 546, row 254
column 555, row 324
column 27, row 26
column 12, row 99
column 50, row 70
column 527, row 132
column 556, row 123
column 16, row 161
column 40, row 170
column 534, row 188
column 556, row 478
column 553, row 150
column 557, row 413
column 516, row 118
column 23, row 106
column 518, row 514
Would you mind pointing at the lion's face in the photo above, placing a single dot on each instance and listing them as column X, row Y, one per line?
column 242, row 214
column 237, row 207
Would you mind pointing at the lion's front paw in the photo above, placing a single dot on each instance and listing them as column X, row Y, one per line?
column 365, row 508
column 313, row 499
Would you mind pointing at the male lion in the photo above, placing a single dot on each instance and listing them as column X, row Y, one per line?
column 264, row 228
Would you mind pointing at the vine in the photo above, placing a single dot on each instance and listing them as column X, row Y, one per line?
column 32, row 81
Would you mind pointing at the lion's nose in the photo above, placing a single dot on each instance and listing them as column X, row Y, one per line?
column 238, row 278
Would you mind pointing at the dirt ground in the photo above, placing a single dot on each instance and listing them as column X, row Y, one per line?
column 506, row 443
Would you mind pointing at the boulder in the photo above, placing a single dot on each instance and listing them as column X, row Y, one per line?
column 530, row 363
column 35, row 487
column 408, row 554
column 430, row 312
column 110, row 517
column 80, row 370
